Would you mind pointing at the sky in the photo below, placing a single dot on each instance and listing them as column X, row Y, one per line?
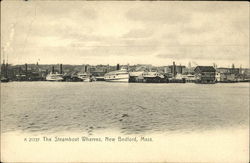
column 127, row 32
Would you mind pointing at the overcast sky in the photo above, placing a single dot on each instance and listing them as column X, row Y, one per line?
column 112, row 32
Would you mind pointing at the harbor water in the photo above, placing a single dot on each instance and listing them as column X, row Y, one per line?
column 128, row 108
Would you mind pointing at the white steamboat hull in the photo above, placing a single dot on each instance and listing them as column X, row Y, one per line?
column 117, row 76
column 117, row 80
column 54, row 77
column 87, row 80
column 50, row 79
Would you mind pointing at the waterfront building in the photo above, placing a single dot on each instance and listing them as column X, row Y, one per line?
column 176, row 69
column 205, row 74
column 136, row 76
column 225, row 77
column 153, row 77
column 147, row 77
column 227, row 74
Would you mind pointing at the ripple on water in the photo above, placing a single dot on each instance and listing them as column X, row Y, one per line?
column 136, row 108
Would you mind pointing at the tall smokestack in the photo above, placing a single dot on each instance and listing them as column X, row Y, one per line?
column 19, row 70
column 180, row 69
column 85, row 68
column 6, row 70
column 61, row 70
column 26, row 70
column 174, row 69
column 53, row 69
column 117, row 67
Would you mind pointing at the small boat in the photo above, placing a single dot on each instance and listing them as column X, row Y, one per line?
column 117, row 76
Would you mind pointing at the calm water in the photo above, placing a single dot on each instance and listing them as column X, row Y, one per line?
column 129, row 108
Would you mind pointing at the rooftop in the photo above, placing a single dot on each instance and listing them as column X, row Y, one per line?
column 205, row 68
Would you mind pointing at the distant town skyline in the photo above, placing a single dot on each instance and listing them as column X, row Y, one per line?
column 157, row 33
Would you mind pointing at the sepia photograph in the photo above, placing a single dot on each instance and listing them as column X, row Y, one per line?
column 124, row 81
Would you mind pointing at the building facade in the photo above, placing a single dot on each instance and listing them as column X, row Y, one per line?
column 205, row 74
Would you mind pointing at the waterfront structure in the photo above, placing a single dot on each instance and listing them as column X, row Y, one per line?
column 35, row 72
column 189, row 78
column 148, row 77
column 153, row 77
column 31, row 72
column 136, row 76
column 99, row 71
column 205, row 74
column 225, row 77
column 144, row 76
column 4, row 72
column 175, row 69
column 227, row 74
column 245, row 74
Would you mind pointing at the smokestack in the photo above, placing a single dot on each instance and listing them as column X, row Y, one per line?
column 26, row 70
column 53, row 69
column 165, row 69
column 174, row 69
column 85, row 68
column 61, row 70
column 117, row 67
column 19, row 70
column 6, row 70
column 180, row 69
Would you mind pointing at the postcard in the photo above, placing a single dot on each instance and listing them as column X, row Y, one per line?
column 124, row 81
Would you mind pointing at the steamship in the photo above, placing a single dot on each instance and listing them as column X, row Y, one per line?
column 117, row 76
column 54, row 77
